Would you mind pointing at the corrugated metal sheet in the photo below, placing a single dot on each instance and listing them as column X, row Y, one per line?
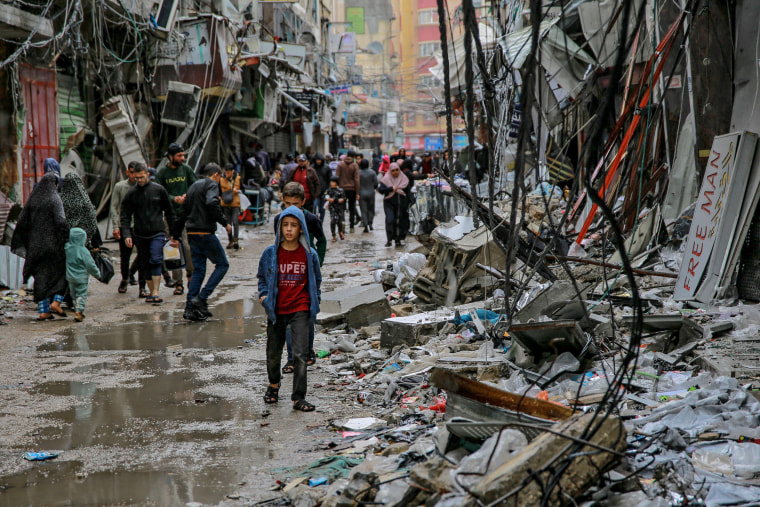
column 11, row 269
column 40, row 124
column 72, row 113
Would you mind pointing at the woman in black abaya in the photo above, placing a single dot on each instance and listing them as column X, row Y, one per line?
column 40, row 236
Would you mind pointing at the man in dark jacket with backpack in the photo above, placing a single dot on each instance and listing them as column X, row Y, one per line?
column 200, row 212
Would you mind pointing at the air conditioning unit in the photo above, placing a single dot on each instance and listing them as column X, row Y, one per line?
column 167, row 11
column 181, row 104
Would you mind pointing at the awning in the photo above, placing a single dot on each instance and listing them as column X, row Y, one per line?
column 294, row 101
column 457, row 59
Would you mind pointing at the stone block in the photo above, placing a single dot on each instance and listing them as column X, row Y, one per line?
column 356, row 306
column 408, row 330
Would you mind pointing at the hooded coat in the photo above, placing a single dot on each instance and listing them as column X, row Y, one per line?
column 79, row 262
column 40, row 236
column 78, row 208
column 268, row 271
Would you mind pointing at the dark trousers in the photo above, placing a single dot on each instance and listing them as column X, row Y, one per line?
column 353, row 216
column 150, row 255
column 367, row 207
column 308, row 205
column 337, row 221
column 232, row 215
column 125, row 253
column 319, row 207
column 299, row 323
column 205, row 247
column 289, row 340
column 396, row 218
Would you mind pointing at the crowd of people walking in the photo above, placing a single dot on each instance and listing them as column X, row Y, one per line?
column 171, row 216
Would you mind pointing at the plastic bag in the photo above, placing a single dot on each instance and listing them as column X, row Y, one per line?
column 104, row 266
column 245, row 203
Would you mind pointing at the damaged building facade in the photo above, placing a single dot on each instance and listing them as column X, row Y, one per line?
column 98, row 84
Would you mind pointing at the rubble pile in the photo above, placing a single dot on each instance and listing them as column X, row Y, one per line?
column 572, row 400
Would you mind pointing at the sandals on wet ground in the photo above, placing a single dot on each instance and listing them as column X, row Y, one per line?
column 49, row 317
column 154, row 299
column 144, row 293
column 311, row 359
column 272, row 394
column 123, row 287
column 289, row 367
column 179, row 290
column 303, row 406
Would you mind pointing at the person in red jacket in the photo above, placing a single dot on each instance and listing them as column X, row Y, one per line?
column 304, row 174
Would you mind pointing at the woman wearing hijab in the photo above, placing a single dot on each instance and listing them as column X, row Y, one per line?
column 392, row 186
column 51, row 166
column 40, row 236
column 79, row 210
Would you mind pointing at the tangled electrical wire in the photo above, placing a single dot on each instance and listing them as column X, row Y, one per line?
column 501, row 97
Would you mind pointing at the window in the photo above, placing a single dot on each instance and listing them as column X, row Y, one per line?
column 428, row 17
column 411, row 118
column 428, row 48
column 428, row 80
column 429, row 118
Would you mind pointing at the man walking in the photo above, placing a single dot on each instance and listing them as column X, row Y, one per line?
column 200, row 212
column 309, row 180
column 348, row 180
column 119, row 191
column 176, row 177
column 147, row 203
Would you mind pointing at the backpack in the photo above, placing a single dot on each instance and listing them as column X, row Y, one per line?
column 254, row 171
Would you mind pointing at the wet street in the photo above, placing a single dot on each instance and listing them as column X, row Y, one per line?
column 146, row 408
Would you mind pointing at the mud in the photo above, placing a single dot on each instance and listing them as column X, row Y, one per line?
column 148, row 409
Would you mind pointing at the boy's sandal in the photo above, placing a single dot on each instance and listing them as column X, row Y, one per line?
column 303, row 406
column 179, row 290
column 153, row 299
column 272, row 394
column 289, row 367
column 311, row 359
column 144, row 294
column 123, row 287
column 49, row 317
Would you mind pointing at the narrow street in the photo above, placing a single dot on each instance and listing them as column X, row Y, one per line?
column 146, row 408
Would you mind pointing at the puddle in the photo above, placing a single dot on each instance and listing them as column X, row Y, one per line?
column 165, row 407
column 232, row 323
column 63, row 483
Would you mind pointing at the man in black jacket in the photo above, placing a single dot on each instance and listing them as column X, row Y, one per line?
column 200, row 213
column 147, row 203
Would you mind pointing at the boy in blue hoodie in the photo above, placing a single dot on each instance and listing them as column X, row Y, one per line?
column 289, row 290
column 79, row 265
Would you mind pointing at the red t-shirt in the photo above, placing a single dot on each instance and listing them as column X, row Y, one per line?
column 292, row 295
column 300, row 176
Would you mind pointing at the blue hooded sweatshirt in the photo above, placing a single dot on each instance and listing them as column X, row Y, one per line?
column 267, row 273
column 79, row 261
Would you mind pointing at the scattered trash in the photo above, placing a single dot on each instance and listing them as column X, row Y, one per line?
column 40, row 456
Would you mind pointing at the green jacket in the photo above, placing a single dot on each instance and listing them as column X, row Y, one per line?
column 119, row 191
column 79, row 261
column 176, row 181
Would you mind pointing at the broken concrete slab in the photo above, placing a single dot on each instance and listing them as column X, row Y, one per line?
column 524, row 478
column 356, row 306
column 558, row 291
column 551, row 337
column 408, row 330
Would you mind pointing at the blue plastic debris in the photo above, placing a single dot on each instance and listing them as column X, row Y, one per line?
column 39, row 456
column 318, row 481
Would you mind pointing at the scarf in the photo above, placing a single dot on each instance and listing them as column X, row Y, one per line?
column 400, row 181
column 77, row 205
column 51, row 166
column 40, row 235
